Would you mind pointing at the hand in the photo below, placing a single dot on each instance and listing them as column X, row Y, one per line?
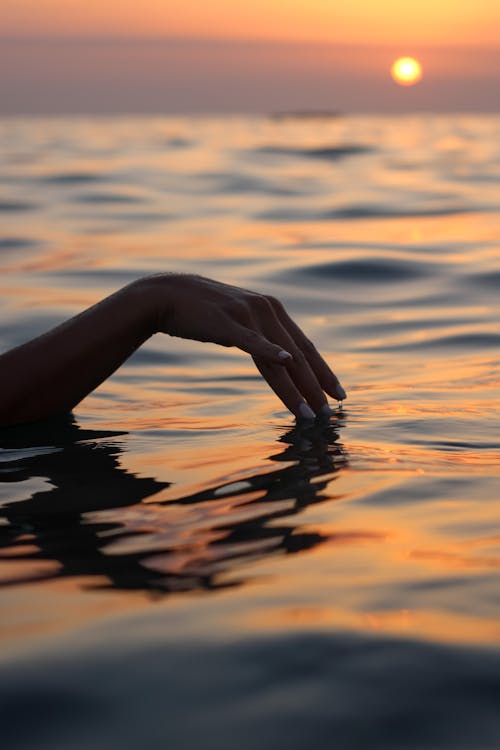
column 193, row 307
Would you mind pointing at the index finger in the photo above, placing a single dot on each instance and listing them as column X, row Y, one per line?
column 326, row 377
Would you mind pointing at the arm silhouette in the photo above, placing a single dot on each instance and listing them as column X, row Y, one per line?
column 52, row 373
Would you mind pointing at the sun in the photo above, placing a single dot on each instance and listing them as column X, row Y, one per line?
column 406, row 71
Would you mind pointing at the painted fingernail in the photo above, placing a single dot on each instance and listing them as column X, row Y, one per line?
column 305, row 411
column 284, row 354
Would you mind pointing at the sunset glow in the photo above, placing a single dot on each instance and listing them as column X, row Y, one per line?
column 250, row 56
column 449, row 22
column 406, row 71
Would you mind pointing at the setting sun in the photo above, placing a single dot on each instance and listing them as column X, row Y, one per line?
column 406, row 71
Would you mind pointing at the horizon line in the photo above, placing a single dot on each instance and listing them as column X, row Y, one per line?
column 190, row 39
column 299, row 114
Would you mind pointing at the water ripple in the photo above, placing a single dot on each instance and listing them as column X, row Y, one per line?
column 363, row 270
column 18, row 206
column 367, row 211
column 72, row 178
column 329, row 153
column 296, row 570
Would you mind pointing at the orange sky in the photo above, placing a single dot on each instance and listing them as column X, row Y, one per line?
column 303, row 54
column 443, row 22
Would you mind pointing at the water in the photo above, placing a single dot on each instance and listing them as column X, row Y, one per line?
column 182, row 565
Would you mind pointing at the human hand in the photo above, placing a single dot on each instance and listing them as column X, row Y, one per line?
column 194, row 307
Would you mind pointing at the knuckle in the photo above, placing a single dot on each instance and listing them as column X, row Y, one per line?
column 237, row 308
column 275, row 303
column 260, row 304
column 252, row 337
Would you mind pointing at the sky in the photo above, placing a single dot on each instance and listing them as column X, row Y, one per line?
column 173, row 56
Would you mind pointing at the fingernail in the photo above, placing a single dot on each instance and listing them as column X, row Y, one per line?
column 305, row 411
column 284, row 354
column 341, row 394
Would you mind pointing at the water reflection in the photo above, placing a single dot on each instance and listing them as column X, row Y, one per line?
column 90, row 518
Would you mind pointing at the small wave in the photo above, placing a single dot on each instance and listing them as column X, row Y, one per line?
column 179, row 142
column 12, row 243
column 71, row 178
column 125, row 218
column 366, row 270
column 106, row 198
column 459, row 445
column 366, row 211
column 142, row 217
column 388, row 327
column 418, row 489
column 17, row 206
column 330, row 153
column 363, row 211
column 146, row 356
column 229, row 183
column 476, row 177
column 466, row 341
column 469, row 341
column 491, row 279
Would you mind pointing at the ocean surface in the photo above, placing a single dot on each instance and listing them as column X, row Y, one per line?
column 181, row 565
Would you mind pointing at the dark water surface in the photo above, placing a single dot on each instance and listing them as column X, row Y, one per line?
column 183, row 566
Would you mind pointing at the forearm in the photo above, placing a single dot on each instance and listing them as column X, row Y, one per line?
column 54, row 372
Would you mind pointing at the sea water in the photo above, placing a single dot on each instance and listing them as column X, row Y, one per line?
column 181, row 564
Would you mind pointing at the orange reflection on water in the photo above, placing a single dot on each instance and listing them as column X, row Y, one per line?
column 381, row 523
column 449, row 559
column 434, row 626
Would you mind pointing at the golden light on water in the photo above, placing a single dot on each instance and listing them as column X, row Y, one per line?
column 406, row 71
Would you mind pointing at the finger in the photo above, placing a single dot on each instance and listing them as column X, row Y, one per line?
column 257, row 345
column 269, row 358
column 282, row 384
column 298, row 367
column 326, row 377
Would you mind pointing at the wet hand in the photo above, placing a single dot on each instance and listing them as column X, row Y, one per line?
column 194, row 307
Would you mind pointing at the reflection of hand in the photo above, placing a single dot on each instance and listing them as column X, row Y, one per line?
column 205, row 310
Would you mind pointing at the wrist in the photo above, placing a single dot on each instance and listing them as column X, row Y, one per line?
column 153, row 296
